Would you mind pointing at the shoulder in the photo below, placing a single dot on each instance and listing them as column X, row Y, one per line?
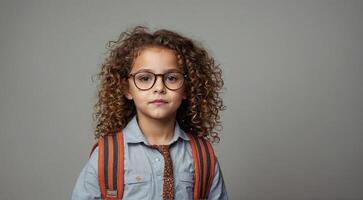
column 200, row 143
column 93, row 159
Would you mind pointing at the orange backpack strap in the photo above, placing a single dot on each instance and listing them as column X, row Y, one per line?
column 204, row 166
column 111, row 166
column 93, row 149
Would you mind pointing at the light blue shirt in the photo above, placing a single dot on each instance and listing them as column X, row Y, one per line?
column 148, row 164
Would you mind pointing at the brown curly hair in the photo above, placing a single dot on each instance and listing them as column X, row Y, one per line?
column 198, row 114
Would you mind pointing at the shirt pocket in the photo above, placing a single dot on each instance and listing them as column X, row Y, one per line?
column 137, row 185
column 184, row 185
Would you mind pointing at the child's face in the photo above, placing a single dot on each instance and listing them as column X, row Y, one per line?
column 158, row 61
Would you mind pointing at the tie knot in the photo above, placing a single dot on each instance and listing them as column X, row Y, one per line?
column 161, row 148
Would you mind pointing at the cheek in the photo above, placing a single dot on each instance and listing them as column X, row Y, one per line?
column 179, row 97
column 140, row 96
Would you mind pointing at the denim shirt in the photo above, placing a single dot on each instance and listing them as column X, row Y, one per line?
column 148, row 164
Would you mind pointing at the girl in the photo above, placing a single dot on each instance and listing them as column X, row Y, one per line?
column 159, row 94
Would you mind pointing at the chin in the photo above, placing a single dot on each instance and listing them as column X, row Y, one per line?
column 162, row 116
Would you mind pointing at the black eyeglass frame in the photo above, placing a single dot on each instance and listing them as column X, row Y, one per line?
column 156, row 77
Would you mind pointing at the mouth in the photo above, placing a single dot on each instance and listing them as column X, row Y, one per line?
column 158, row 102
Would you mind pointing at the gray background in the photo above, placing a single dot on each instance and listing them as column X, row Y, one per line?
column 293, row 128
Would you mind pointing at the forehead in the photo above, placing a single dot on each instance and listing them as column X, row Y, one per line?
column 156, row 59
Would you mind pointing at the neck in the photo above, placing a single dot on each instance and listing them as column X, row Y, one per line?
column 157, row 132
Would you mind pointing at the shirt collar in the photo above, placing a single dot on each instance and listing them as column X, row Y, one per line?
column 133, row 134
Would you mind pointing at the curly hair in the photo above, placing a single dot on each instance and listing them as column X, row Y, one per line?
column 198, row 113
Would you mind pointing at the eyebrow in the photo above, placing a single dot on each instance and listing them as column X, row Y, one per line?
column 166, row 71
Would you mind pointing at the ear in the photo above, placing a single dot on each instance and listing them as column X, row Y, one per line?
column 184, row 96
column 128, row 95
column 126, row 90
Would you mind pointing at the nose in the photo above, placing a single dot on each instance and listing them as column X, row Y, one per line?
column 159, row 84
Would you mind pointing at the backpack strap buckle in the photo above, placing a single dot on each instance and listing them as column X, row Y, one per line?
column 111, row 193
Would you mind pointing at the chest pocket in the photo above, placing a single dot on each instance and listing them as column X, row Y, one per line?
column 137, row 185
column 184, row 185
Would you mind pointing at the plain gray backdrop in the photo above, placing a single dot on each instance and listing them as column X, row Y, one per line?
column 293, row 128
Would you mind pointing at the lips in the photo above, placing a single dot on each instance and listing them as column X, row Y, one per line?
column 159, row 101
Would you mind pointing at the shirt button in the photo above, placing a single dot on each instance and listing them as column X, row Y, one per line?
column 157, row 159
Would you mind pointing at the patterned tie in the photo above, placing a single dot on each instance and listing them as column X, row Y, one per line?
column 168, row 185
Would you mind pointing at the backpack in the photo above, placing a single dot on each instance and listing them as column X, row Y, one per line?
column 111, row 166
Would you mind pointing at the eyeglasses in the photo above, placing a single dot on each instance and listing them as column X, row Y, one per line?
column 146, row 80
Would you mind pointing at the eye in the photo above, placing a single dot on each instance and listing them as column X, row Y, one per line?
column 172, row 77
column 144, row 77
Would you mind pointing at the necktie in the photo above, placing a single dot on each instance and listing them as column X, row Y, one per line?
column 168, row 183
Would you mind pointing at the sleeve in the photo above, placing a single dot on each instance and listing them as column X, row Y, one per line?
column 218, row 190
column 87, row 187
